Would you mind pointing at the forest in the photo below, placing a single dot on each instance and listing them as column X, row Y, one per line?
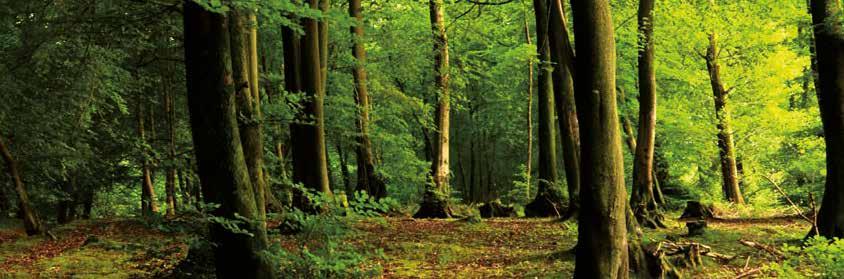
column 421, row 139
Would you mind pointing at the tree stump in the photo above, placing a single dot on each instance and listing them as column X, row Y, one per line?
column 496, row 209
column 695, row 216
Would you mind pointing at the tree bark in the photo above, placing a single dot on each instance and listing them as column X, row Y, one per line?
column 222, row 167
column 170, row 185
column 307, row 132
column 529, row 116
column 548, row 198
column 148, row 203
column 643, row 200
column 563, row 57
column 829, row 47
column 726, row 146
column 368, row 180
column 602, row 250
column 31, row 222
column 435, row 200
column 248, row 104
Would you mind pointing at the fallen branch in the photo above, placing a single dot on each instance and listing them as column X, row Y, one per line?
column 748, row 273
column 767, row 248
column 811, row 221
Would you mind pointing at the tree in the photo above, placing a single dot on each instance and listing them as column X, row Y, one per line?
column 223, row 172
column 435, row 201
column 149, row 205
column 562, row 55
column 244, row 56
column 529, row 113
column 602, row 231
column 829, row 47
column 548, row 198
column 643, row 200
column 31, row 221
column 307, row 132
column 726, row 145
column 368, row 180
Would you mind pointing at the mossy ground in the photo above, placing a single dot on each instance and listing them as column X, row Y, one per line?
column 408, row 248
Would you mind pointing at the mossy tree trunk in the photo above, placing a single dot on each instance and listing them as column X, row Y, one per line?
column 248, row 104
column 829, row 47
column 726, row 145
column 548, row 198
column 367, row 179
column 223, row 171
column 602, row 250
column 435, row 200
column 643, row 200
column 562, row 55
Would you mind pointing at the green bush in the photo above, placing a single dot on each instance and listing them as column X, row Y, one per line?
column 819, row 258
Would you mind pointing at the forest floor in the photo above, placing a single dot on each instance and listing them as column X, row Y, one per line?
column 398, row 247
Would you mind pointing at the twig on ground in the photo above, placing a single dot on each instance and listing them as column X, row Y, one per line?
column 748, row 273
column 767, row 248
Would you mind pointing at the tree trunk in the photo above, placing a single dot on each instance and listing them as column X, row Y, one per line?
column 344, row 170
column 563, row 57
column 368, row 180
column 65, row 208
column 223, row 170
column 307, row 132
column 435, row 200
column 148, row 203
column 829, row 45
column 643, row 200
column 602, row 250
column 5, row 203
column 170, row 186
column 187, row 200
column 31, row 222
column 529, row 116
column 248, row 104
column 729, row 170
column 548, row 198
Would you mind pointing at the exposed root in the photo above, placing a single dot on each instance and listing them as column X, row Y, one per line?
column 546, row 204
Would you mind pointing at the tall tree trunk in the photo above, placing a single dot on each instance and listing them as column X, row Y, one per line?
column 170, row 186
column 222, row 167
column 307, row 133
column 529, row 116
column 548, row 198
column 829, row 45
column 248, row 103
column 368, row 180
column 31, row 222
column 148, row 203
column 435, row 201
column 563, row 57
column 729, row 170
column 602, row 250
column 187, row 200
column 643, row 200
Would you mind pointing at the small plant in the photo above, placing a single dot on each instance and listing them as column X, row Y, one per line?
column 819, row 258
